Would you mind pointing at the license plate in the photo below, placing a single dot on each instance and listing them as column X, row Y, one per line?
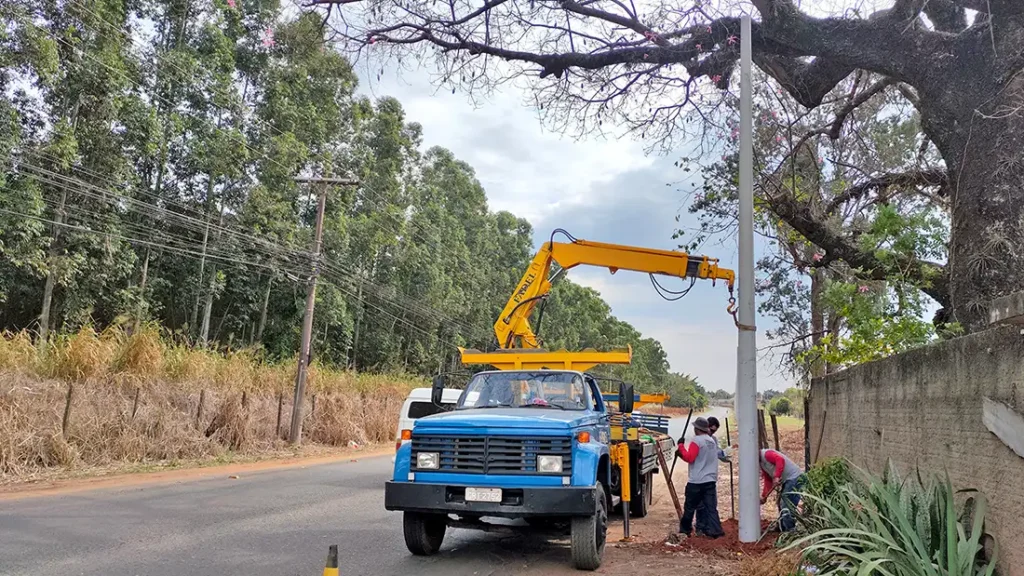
column 483, row 494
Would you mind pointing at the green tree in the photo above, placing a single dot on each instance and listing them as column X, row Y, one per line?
column 779, row 405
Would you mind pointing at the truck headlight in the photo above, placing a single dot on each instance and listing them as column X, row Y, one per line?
column 549, row 464
column 427, row 461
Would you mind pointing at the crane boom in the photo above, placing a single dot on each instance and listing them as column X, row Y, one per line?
column 512, row 328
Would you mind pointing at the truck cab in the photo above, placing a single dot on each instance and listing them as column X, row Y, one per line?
column 520, row 444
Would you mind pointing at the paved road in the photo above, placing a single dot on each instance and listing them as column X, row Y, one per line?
column 675, row 426
column 267, row 523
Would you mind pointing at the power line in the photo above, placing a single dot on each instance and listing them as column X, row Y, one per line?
column 212, row 248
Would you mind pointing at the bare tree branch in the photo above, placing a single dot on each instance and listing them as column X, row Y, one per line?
column 929, row 275
column 934, row 177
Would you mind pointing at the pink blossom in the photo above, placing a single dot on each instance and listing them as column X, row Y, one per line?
column 645, row 56
column 732, row 40
column 650, row 36
column 699, row 48
column 716, row 78
column 231, row 3
column 817, row 257
column 268, row 37
column 778, row 138
column 372, row 40
column 862, row 289
column 775, row 115
column 799, row 284
column 709, row 29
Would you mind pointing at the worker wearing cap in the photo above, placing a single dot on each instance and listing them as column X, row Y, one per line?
column 777, row 468
column 701, row 454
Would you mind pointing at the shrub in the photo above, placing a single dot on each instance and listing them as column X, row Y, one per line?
column 873, row 525
column 779, row 405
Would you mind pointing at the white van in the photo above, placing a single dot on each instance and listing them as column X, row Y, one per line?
column 418, row 405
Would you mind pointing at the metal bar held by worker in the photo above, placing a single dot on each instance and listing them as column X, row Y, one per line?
column 732, row 483
column 682, row 438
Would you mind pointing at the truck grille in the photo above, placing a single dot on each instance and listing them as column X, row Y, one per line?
column 493, row 454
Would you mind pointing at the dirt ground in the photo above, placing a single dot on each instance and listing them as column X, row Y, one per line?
column 650, row 549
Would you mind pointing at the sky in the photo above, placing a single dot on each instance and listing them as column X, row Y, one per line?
column 606, row 190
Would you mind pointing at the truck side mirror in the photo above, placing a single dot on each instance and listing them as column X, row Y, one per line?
column 437, row 390
column 625, row 398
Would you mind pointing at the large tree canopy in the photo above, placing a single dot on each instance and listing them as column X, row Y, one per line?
column 650, row 67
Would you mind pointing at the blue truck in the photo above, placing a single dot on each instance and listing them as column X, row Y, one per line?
column 537, row 445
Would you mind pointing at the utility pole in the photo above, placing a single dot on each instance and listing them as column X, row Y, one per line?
column 295, row 433
column 746, row 351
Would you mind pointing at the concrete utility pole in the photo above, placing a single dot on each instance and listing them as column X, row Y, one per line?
column 746, row 357
column 295, row 433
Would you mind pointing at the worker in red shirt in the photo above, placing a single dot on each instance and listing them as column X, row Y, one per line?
column 777, row 468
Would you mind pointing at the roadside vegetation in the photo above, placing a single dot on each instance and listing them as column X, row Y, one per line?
column 854, row 522
column 115, row 399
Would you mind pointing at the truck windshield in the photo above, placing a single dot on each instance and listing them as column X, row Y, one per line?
column 557, row 390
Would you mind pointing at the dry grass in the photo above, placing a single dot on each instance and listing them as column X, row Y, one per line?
column 239, row 414
column 771, row 564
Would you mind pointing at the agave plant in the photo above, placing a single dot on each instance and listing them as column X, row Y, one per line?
column 888, row 527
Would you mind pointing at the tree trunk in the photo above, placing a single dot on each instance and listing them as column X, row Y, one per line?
column 194, row 319
column 986, row 162
column 142, row 290
column 263, row 310
column 359, row 319
column 817, row 320
column 51, row 273
column 204, row 332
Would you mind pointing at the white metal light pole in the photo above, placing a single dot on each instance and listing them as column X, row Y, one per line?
column 746, row 357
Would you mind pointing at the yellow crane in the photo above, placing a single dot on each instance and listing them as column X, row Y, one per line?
column 520, row 348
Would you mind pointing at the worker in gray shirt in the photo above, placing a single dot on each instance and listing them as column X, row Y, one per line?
column 701, row 454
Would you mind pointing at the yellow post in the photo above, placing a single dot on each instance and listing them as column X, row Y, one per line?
column 332, row 561
column 620, row 454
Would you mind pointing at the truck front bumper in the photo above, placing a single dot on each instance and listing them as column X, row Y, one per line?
column 515, row 502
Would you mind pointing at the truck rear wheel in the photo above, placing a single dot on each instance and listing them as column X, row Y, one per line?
column 424, row 532
column 589, row 534
column 643, row 496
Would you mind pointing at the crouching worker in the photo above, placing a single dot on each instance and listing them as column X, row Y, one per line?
column 701, row 454
column 777, row 468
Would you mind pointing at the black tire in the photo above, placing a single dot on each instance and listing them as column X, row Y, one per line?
column 589, row 534
column 640, row 505
column 424, row 533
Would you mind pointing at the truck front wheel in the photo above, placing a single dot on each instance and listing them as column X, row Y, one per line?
column 589, row 534
column 424, row 532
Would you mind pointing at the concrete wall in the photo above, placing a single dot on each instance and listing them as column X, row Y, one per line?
column 923, row 409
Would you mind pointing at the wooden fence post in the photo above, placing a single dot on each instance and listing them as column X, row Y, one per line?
column 199, row 409
column 807, row 434
column 762, row 433
column 775, row 431
column 280, row 409
column 67, row 411
column 135, row 403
